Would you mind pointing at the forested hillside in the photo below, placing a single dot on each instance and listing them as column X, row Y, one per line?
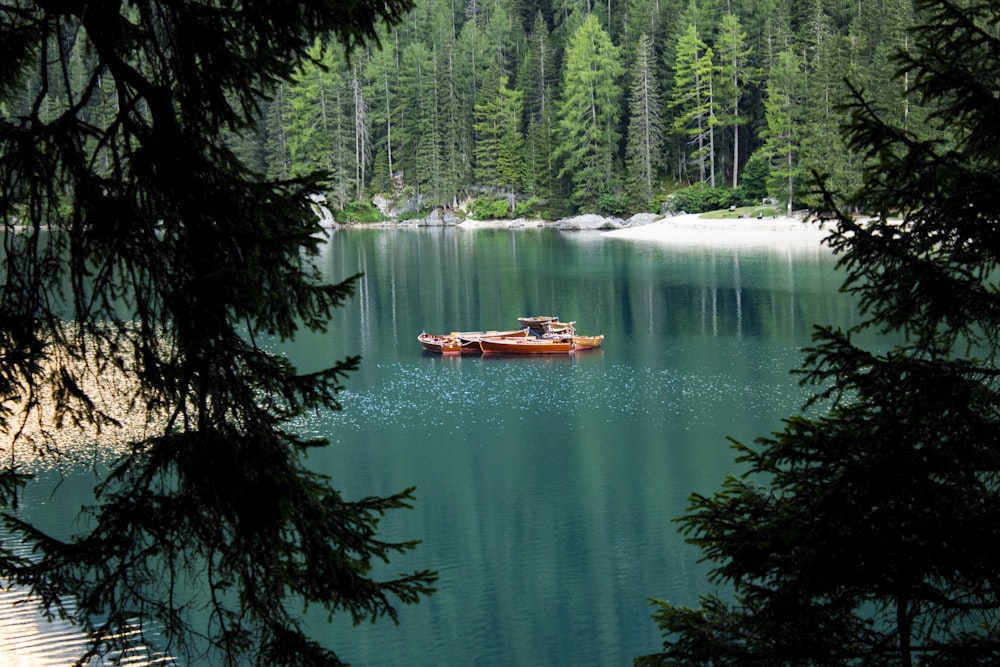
column 549, row 106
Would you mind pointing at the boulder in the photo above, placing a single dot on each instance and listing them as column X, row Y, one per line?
column 640, row 219
column 589, row 221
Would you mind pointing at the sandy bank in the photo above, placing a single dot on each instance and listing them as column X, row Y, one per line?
column 693, row 230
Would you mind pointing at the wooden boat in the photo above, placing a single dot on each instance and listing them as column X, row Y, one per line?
column 493, row 345
column 536, row 322
column 440, row 344
column 470, row 339
column 588, row 342
column 557, row 327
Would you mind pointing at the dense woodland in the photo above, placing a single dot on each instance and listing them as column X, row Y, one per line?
column 542, row 107
column 546, row 107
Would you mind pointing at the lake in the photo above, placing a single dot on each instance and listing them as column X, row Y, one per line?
column 547, row 486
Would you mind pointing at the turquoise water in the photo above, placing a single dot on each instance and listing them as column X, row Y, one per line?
column 546, row 487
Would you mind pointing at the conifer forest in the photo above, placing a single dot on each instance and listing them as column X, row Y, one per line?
column 548, row 107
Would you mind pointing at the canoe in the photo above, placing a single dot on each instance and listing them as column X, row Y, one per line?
column 536, row 322
column 470, row 339
column 588, row 342
column 493, row 345
column 440, row 344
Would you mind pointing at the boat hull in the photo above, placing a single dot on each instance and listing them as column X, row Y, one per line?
column 440, row 344
column 470, row 339
column 491, row 345
column 588, row 342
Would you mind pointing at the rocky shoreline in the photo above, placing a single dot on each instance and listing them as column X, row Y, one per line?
column 586, row 222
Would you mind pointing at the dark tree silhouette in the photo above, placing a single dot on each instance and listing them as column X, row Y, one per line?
column 142, row 258
column 870, row 536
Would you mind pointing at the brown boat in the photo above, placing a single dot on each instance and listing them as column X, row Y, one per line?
column 588, row 342
column 557, row 327
column 536, row 322
column 492, row 345
column 470, row 339
column 440, row 344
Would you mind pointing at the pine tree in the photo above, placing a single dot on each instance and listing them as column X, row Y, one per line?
column 510, row 151
column 733, row 55
column 488, row 126
column 784, row 125
column 589, row 112
column 141, row 257
column 382, row 83
column 693, row 102
column 539, row 82
column 867, row 535
column 645, row 135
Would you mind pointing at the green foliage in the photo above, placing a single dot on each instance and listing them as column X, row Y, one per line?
column 694, row 102
column 733, row 55
column 489, row 208
column 589, row 111
column 756, row 175
column 783, row 137
column 528, row 208
column 646, row 129
column 432, row 112
column 865, row 532
column 359, row 212
column 701, row 197
column 612, row 204
column 168, row 280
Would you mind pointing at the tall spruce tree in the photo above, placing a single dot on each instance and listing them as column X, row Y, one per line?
column 867, row 535
column 783, row 137
column 693, row 102
column 590, row 112
column 733, row 55
column 645, row 132
column 141, row 258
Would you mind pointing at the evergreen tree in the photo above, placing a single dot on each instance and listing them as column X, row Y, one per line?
column 589, row 112
column 382, row 83
column 538, row 76
column 489, row 126
column 510, row 156
column 416, row 103
column 309, row 125
column 277, row 154
column 165, row 271
column 823, row 148
column 645, row 135
column 733, row 55
column 868, row 535
column 538, row 79
column 783, row 136
column 693, row 102
column 362, row 144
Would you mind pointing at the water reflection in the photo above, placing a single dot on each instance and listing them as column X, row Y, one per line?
column 547, row 485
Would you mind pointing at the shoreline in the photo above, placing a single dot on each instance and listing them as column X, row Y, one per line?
column 686, row 229
column 694, row 229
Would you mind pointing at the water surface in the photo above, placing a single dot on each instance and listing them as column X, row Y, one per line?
column 546, row 486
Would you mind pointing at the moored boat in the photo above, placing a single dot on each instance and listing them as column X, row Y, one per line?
column 440, row 344
column 557, row 327
column 588, row 342
column 537, row 322
column 495, row 345
column 470, row 339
